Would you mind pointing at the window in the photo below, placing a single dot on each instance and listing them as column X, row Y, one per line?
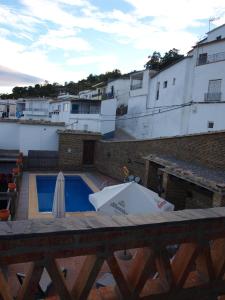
column 112, row 90
column 210, row 124
column 165, row 84
column 214, row 90
column 174, row 81
column 157, row 91
column 218, row 37
column 136, row 81
column 75, row 108
column 202, row 59
column 65, row 106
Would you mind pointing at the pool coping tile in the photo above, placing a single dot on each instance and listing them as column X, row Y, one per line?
column 33, row 212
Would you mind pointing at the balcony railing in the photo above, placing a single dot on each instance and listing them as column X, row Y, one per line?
column 211, row 58
column 136, row 86
column 176, row 255
column 208, row 97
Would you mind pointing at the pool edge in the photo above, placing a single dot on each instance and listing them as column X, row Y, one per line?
column 33, row 212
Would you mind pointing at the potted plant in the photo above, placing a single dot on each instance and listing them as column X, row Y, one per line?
column 11, row 186
column 4, row 214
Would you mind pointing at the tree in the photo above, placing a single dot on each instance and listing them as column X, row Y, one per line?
column 170, row 57
column 154, row 62
column 158, row 62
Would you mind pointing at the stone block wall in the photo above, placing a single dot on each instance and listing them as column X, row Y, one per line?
column 71, row 149
column 207, row 149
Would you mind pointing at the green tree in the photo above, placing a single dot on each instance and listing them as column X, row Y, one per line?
column 154, row 62
column 170, row 57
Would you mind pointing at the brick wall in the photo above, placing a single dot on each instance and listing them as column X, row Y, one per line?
column 71, row 149
column 206, row 149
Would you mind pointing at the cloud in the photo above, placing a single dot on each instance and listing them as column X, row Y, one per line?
column 54, row 34
column 63, row 38
column 9, row 77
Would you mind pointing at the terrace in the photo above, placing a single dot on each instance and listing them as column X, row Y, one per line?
column 173, row 255
column 194, row 270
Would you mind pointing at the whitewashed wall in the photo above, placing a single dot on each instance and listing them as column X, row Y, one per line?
column 214, row 33
column 24, row 137
column 175, row 92
column 9, row 135
column 108, row 115
column 121, row 90
column 201, row 114
column 38, row 137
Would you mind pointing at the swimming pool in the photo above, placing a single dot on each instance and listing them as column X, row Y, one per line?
column 76, row 193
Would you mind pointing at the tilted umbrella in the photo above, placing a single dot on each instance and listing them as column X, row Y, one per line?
column 58, row 208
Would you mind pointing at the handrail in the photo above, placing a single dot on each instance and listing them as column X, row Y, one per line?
column 200, row 234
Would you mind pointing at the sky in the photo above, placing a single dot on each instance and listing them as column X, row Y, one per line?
column 66, row 40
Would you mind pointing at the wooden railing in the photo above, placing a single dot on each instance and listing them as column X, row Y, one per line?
column 194, row 271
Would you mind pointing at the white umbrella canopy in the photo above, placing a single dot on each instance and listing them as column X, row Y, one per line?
column 128, row 198
column 58, row 207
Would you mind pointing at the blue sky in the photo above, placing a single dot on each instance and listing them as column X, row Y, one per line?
column 63, row 40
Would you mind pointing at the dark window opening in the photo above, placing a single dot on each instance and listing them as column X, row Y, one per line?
column 165, row 84
column 210, row 124
column 202, row 59
column 218, row 37
column 157, row 91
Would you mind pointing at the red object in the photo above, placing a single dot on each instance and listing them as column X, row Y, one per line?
column 11, row 186
column 15, row 171
column 19, row 161
column 4, row 214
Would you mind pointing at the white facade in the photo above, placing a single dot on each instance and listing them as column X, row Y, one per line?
column 86, row 94
column 87, row 115
column 24, row 137
column 36, row 109
column 119, row 89
column 186, row 97
column 8, row 108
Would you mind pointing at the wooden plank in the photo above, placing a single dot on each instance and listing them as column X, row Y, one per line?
column 76, row 225
column 31, row 282
column 141, row 269
column 164, row 269
column 204, row 264
column 58, row 280
column 87, row 277
column 4, row 288
column 218, row 257
column 119, row 277
column 183, row 261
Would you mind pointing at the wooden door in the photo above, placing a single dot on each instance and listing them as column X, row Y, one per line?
column 88, row 152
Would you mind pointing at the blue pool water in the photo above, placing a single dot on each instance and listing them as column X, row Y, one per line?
column 76, row 193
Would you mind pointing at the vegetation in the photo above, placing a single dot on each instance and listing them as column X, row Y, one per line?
column 158, row 62
column 52, row 90
column 155, row 62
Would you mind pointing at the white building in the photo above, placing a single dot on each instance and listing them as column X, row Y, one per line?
column 86, row 115
column 8, row 108
column 36, row 109
column 119, row 89
column 86, row 94
column 186, row 97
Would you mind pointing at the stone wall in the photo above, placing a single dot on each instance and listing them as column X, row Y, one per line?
column 71, row 148
column 207, row 149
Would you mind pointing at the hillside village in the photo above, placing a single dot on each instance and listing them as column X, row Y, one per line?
column 118, row 191
column 183, row 98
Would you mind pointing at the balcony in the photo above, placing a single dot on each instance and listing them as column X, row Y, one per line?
column 212, row 97
column 136, row 86
column 35, row 112
column 208, row 59
column 176, row 255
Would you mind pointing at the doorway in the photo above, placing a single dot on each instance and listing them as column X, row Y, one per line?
column 88, row 152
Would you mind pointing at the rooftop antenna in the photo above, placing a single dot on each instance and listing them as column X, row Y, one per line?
column 212, row 19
